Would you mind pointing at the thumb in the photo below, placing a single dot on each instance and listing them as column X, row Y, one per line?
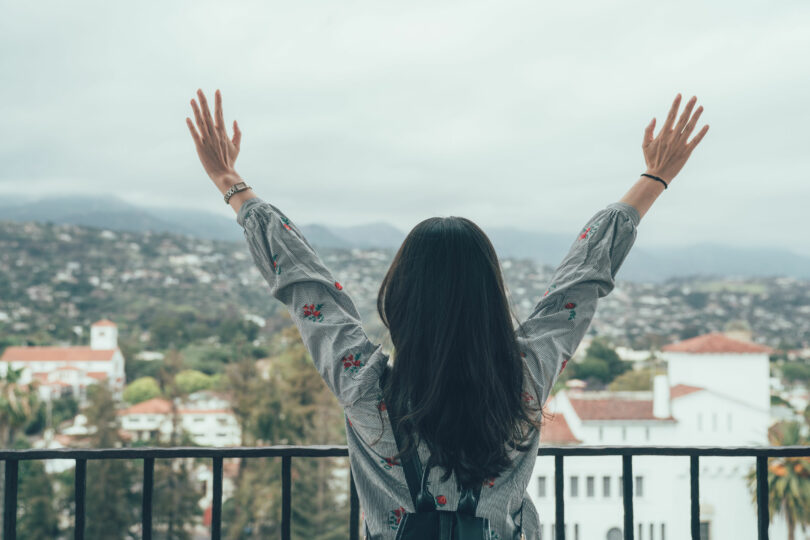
column 237, row 134
column 648, row 133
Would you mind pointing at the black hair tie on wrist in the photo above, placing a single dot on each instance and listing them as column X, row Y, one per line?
column 656, row 178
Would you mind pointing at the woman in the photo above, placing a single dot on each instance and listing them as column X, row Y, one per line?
column 478, row 384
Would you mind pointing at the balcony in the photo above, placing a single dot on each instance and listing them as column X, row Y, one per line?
column 148, row 456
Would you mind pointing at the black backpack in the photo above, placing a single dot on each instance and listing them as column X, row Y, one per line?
column 427, row 522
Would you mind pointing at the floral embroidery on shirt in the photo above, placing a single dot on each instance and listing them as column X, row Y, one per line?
column 550, row 288
column 571, row 313
column 527, row 397
column 563, row 365
column 338, row 286
column 312, row 312
column 490, row 481
column 493, row 535
column 441, row 500
column 586, row 232
column 381, row 405
column 389, row 463
column 286, row 223
column 276, row 266
column 395, row 516
column 351, row 363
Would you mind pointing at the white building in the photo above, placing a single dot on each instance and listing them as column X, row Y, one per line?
column 209, row 421
column 63, row 370
column 716, row 394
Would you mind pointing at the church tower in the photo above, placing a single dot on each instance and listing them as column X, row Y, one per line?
column 103, row 335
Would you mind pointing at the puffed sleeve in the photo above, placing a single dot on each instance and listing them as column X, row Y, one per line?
column 554, row 329
column 325, row 315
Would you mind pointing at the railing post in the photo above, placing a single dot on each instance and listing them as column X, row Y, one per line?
column 146, row 498
column 627, row 495
column 354, row 509
column 286, row 489
column 559, row 501
column 763, row 517
column 694, row 475
column 216, row 504
column 10, row 500
column 79, row 490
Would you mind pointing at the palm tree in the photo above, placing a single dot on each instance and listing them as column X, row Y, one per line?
column 788, row 479
column 18, row 406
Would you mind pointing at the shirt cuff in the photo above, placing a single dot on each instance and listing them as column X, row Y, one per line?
column 628, row 209
column 246, row 207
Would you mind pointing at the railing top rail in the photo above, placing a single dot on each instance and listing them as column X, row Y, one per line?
column 342, row 451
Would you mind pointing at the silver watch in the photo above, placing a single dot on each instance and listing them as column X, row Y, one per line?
column 236, row 188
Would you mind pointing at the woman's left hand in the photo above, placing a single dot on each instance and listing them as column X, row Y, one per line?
column 217, row 152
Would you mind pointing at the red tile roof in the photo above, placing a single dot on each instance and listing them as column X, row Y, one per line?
column 615, row 409
column 56, row 354
column 680, row 390
column 556, row 430
column 104, row 322
column 97, row 375
column 716, row 342
column 150, row 406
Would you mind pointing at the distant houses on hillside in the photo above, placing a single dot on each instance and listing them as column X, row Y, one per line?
column 64, row 371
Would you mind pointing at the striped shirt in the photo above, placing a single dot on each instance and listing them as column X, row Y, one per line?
column 351, row 365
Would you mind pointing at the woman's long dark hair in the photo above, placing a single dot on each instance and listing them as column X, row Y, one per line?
column 457, row 366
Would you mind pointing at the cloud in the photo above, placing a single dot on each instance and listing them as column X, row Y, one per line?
column 510, row 113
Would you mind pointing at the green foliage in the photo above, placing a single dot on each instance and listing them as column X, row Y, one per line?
column 141, row 389
column 796, row 372
column 190, row 380
column 640, row 379
column 37, row 517
column 601, row 363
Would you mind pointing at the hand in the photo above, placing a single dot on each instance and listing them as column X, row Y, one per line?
column 667, row 153
column 217, row 153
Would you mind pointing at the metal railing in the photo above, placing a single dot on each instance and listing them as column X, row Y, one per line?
column 286, row 453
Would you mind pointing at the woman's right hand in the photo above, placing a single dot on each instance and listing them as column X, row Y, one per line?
column 667, row 153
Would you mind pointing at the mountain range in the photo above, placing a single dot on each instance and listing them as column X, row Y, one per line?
column 642, row 264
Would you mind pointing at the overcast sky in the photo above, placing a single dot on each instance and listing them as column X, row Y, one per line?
column 521, row 113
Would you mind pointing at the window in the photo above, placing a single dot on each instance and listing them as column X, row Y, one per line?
column 198, row 418
column 647, row 432
column 663, row 532
column 590, row 486
column 541, row 486
column 614, row 534
column 621, row 485
column 576, row 531
column 704, row 530
column 652, row 531
column 601, row 432
column 640, row 529
column 606, row 486
column 540, row 530
column 574, row 486
column 624, row 433
column 639, row 486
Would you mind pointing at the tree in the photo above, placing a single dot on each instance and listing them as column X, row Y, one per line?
column 601, row 363
column 111, row 495
column 19, row 405
column 189, row 381
column 640, row 379
column 141, row 389
column 788, row 479
column 37, row 517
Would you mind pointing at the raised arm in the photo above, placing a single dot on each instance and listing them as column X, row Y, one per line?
column 556, row 326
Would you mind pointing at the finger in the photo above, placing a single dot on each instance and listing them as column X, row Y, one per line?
column 209, row 122
column 194, row 134
column 685, row 116
column 219, row 115
column 237, row 135
column 671, row 116
column 692, row 122
column 200, row 122
column 648, row 133
column 691, row 145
